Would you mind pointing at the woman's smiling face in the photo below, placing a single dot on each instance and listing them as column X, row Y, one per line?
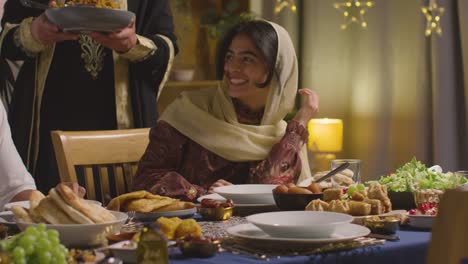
column 244, row 70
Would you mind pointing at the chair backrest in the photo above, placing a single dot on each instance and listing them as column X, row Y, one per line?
column 449, row 242
column 106, row 158
column 172, row 89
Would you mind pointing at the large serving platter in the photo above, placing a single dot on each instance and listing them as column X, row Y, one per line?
column 342, row 233
column 85, row 19
column 220, row 198
column 147, row 217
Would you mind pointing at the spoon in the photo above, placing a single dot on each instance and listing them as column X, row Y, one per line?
column 338, row 169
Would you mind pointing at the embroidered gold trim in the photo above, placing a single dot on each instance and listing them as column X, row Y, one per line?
column 92, row 55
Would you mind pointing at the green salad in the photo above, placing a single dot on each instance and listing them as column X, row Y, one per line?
column 416, row 176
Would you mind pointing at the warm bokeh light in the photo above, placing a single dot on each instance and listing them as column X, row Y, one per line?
column 325, row 135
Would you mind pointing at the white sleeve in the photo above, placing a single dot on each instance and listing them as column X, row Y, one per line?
column 14, row 178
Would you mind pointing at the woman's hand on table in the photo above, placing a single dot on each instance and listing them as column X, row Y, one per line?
column 218, row 183
column 309, row 107
column 120, row 41
column 45, row 32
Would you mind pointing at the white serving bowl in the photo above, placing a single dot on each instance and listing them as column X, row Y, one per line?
column 421, row 221
column 299, row 224
column 248, row 193
column 84, row 235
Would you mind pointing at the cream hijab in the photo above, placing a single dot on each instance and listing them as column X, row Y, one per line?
column 208, row 116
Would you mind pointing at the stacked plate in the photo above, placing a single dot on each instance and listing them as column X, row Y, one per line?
column 299, row 227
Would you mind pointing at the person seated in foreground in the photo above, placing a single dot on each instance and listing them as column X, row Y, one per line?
column 16, row 183
column 234, row 134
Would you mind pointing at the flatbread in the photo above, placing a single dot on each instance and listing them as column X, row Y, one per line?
column 21, row 214
column 96, row 213
column 70, row 211
column 52, row 213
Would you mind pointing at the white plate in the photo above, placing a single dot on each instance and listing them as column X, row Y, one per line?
column 248, row 193
column 7, row 218
column 148, row 217
column 342, row 233
column 25, row 204
column 299, row 224
column 85, row 19
column 220, row 198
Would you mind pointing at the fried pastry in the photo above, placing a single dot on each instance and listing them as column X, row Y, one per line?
column 376, row 206
column 174, row 206
column 168, row 226
column 359, row 208
column 317, row 205
column 188, row 227
column 332, row 194
column 339, row 206
column 379, row 192
column 147, row 205
column 358, row 196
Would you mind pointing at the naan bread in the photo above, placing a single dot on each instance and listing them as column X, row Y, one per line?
column 51, row 212
column 70, row 211
column 21, row 214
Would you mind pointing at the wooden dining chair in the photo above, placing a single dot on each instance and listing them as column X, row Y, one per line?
column 105, row 160
column 449, row 242
column 172, row 89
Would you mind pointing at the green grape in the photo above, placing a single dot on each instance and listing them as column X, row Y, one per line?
column 27, row 243
column 351, row 190
column 44, row 257
column 19, row 254
column 54, row 241
column 52, row 233
column 30, row 230
column 41, row 227
column 43, row 244
column 361, row 187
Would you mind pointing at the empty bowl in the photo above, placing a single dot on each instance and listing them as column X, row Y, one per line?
column 299, row 224
column 248, row 193
column 294, row 201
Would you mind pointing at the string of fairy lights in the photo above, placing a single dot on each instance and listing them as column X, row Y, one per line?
column 354, row 12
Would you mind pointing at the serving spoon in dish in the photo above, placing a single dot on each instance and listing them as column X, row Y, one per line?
column 338, row 169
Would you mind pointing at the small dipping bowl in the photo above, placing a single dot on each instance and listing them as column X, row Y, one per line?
column 385, row 225
column 216, row 214
column 199, row 247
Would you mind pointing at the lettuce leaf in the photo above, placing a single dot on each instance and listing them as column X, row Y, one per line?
column 415, row 175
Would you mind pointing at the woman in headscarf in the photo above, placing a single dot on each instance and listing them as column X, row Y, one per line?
column 236, row 133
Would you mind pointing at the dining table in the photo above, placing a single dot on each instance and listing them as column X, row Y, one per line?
column 410, row 248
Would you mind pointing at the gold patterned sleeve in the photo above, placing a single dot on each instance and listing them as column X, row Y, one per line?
column 144, row 48
column 25, row 41
column 283, row 163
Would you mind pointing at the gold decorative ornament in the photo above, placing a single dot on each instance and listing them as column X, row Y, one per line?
column 92, row 54
column 433, row 13
column 280, row 4
column 354, row 12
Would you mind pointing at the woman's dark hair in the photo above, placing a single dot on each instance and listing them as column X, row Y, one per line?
column 263, row 36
